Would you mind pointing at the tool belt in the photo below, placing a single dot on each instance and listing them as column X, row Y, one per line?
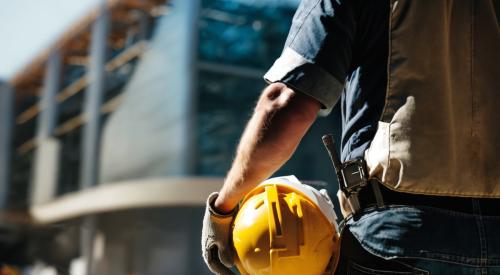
column 486, row 206
column 362, row 192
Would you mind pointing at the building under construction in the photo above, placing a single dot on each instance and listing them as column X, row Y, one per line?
column 113, row 137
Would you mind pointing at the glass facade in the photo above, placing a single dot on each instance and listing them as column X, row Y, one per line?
column 239, row 41
column 243, row 33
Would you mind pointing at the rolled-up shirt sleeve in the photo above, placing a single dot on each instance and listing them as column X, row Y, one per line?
column 318, row 50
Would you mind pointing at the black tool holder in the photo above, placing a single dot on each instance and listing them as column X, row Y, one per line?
column 352, row 176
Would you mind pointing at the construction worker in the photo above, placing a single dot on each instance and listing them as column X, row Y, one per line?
column 418, row 83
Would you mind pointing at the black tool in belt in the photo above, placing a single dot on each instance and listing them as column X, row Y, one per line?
column 352, row 177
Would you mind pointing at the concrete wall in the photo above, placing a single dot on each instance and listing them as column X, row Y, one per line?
column 150, row 135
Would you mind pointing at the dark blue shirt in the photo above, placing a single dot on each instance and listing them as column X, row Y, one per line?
column 338, row 49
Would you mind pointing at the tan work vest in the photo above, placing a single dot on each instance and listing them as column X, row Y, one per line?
column 439, row 133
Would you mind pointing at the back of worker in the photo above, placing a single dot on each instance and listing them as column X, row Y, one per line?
column 421, row 92
column 418, row 83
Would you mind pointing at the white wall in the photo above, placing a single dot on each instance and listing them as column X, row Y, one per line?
column 150, row 135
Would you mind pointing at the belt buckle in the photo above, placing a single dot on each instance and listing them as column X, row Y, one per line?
column 354, row 175
column 354, row 178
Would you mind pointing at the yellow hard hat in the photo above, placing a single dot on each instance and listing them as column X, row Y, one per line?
column 285, row 227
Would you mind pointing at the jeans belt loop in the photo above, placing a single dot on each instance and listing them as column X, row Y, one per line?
column 353, row 201
column 378, row 194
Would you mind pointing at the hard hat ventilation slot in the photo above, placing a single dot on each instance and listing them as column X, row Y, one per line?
column 259, row 203
column 300, row 226
column 277, row 222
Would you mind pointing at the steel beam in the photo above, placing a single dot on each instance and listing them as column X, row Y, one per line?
column 48, row 104
column 93, row 100
column 6, row 117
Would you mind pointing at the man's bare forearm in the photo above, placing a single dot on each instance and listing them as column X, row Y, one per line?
column 280, row 120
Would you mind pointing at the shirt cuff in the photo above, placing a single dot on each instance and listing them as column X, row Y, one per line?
column 306, row 77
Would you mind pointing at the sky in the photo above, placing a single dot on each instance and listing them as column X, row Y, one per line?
column 28, row 27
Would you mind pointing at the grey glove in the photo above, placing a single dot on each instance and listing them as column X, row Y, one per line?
column 215, row 239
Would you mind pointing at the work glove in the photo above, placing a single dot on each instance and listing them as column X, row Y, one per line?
column 215, row 239
column 325, row 195
column 345, row 207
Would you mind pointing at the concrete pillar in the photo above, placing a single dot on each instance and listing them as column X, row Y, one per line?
column 91, row 128
column 163, row 84
column 191, row 149
column 44, row 181
column 87, row 239
column 93, row 100
column 6, row 117
column 48, row 117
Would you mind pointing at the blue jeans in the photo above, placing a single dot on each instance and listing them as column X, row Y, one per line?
column 422, row 240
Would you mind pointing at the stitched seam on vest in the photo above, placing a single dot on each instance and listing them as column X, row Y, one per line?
column 389, row 58
column 388, row 89
column 471, row 56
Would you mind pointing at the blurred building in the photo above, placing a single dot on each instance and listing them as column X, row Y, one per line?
column 113, row 137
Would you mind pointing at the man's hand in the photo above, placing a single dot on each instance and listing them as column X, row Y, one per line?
column 280, row 120
column 215, row 239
